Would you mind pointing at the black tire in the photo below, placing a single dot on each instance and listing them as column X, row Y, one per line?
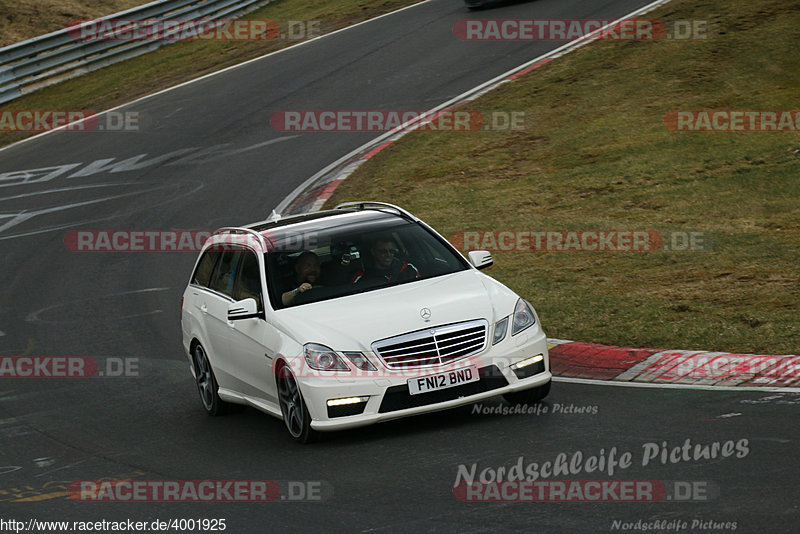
column 207, row 383
column 293, row 407
column 528, row 396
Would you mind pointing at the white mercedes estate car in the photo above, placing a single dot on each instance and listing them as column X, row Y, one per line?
column 353, row 316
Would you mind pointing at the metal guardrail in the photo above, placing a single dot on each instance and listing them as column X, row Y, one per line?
column 30, row 65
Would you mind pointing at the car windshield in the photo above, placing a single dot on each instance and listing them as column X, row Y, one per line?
column 352, row 254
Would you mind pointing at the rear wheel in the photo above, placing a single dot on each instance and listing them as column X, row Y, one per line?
column 207, row 383
column 293, row 407
column 528, row 396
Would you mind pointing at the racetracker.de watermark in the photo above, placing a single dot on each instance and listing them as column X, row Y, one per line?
column 574, row 29
column 400, row 120
column 140, row 240
column 193, row 30
column 43, row 120
column 199, row 490
column 722, row 367
column 67, row 367
column 580, row 240
column 587, row 491
column 177, row 241
column 733, row 120
column 367, row 366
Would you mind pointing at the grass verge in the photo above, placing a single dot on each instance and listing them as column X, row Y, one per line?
column 25, row 19
column 595, row 154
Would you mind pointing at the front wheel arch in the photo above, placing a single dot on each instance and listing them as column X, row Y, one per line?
column 296, row 417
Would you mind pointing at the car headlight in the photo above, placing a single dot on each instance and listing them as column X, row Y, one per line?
column 500, row 329
column 322, row 358
column 523, row 317
column 360, row 361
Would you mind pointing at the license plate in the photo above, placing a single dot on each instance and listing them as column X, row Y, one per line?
column 450, row 379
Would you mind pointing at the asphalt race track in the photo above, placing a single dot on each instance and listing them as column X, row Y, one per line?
column 206, row 156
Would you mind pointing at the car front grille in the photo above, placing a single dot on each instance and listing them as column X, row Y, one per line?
column 433, row 346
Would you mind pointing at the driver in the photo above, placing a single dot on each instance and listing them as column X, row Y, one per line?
column 307, row 272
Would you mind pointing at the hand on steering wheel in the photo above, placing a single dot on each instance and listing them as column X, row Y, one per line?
column 305, row 286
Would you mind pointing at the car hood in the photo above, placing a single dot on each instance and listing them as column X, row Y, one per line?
column 354, row 322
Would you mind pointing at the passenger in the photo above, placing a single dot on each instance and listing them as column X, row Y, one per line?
column 384, row 266
column 307, row 272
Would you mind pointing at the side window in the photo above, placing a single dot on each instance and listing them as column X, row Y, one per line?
column 202, row 275
column 248, row 284
column 225, row 273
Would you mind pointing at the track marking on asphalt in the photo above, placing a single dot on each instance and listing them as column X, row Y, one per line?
column 64, row 189
column 21, row 216
column 191, row 155
column 45, row 461
column 17, row 218
column 593, row 382
column 59, row 468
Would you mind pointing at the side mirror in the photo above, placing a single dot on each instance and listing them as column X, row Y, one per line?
column 481, row 259
column 243, row 309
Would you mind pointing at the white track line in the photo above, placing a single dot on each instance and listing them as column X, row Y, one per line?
column 652, row 385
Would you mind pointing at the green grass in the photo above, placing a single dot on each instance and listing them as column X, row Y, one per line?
column 596, row 154
column 25, row 19
column 179, row 62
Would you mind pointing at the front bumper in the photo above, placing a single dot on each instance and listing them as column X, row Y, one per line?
column 387, row 394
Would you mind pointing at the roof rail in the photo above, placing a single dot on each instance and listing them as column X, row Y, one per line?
column 367, row 204
column 239, row 230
